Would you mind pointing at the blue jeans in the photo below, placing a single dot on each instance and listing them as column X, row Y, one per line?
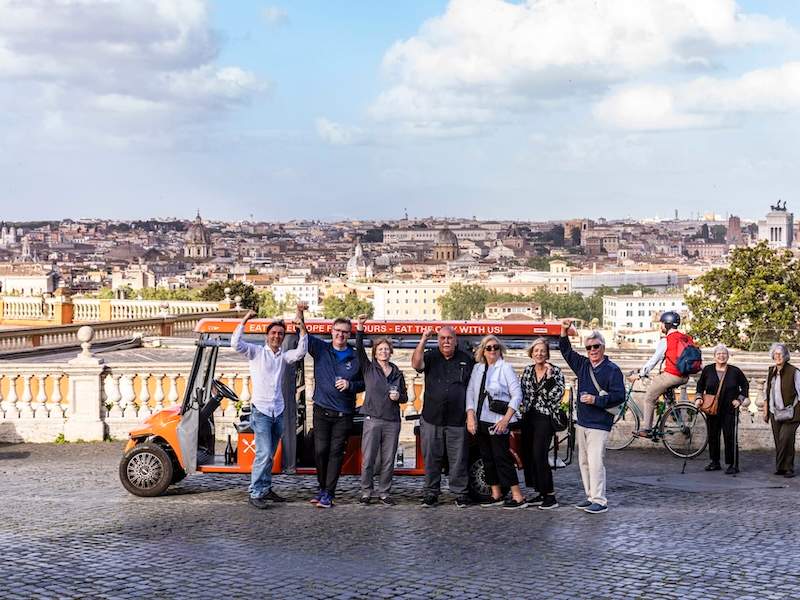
column 268, row 432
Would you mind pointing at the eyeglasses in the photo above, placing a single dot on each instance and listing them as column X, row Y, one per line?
column 342, row 331
column 594, row 346
column 491, row 348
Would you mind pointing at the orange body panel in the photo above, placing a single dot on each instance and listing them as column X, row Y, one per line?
column 163, row 424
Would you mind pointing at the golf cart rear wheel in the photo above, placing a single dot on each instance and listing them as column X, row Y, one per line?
column 146, row 470
column 479, row 490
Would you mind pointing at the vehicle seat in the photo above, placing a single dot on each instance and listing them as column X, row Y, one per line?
column 243, row 426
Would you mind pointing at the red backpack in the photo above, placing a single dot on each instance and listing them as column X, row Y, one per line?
column 683, row 355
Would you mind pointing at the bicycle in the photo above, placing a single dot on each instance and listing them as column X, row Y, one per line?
column 680, row 426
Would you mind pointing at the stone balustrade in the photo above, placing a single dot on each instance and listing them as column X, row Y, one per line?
column 87, row 398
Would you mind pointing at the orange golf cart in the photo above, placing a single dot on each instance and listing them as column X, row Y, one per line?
column 181, row 439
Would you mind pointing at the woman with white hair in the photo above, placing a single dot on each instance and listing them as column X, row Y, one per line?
column 493, row 399
column 730, row 387
column 782, row 407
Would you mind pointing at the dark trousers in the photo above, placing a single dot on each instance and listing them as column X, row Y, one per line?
column 783, row 433
column 725, row 423
column 497, row 460
column 537, row 434
column 330, row 440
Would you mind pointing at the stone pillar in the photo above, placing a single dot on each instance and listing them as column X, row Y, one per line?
column 63, row 310
column 85, row 393
column 105, row 309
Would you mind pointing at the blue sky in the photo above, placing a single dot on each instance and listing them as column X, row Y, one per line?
column 331, row 110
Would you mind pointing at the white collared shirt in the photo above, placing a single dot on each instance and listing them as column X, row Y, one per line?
column 267, row 369
column 501, row 382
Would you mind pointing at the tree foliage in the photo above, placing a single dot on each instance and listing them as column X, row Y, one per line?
column 350, row 306
column 216, row 291
column 462, row 302
column 749, row 304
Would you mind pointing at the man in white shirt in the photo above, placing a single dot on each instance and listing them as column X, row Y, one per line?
column 267, row 366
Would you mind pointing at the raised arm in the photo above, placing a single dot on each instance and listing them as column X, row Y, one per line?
column 362, row 353
column 238, row 344
column 418, row 358
column 574, row 360
column 292, row 356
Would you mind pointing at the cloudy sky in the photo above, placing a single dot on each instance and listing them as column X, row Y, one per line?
column 532, row 109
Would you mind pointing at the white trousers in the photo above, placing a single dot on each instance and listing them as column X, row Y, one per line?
column 591, row 459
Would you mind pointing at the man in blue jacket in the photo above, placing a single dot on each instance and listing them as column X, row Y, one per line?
column 600, row 386
column 337, row 380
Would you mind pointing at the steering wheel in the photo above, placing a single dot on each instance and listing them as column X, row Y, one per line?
column 223, row 390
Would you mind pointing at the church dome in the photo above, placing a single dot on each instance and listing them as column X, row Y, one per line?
column 446, row 237
column 197, row 234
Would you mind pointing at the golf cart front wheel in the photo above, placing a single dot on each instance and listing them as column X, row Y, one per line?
column 146, row 470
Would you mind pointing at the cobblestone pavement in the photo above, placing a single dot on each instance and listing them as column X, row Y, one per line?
column 69, row 530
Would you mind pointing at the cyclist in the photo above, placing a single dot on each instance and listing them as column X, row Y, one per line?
column 667, row 350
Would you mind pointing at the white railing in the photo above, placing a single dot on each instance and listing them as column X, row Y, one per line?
column 35, row 401
column 15, row 340
column 85, row 310
column 25, row 308
column 148, row 309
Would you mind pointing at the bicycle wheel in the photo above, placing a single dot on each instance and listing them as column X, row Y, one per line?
column 625, row 423
column 684, row 430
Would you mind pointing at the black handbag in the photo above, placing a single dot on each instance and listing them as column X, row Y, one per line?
column 559, row 420
column 496, row 406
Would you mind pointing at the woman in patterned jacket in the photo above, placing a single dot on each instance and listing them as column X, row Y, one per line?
column 542, row 390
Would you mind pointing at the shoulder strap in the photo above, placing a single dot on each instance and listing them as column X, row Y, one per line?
column 482, row 392
column 719, row 387
column 594, row 380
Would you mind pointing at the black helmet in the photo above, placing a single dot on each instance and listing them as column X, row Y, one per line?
column 670, row 319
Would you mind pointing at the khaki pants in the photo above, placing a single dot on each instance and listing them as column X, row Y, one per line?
column 591, row 459
column 658, row 385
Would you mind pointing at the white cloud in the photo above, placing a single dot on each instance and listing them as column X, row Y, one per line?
column 275, row 15
column 105, row 65
column 338, row 134
column 702, row 102
column 482, row 61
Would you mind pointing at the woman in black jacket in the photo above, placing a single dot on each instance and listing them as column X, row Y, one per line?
column 385, row 392
column 542, row 391
column 735, row 388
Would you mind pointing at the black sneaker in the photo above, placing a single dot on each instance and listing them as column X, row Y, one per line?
column 731, row 470
column 365, row 500
column 273, row 497
column 713, row 466
column 462, row 502
column 387, row 500
column 259, row 503
column 429, row 501
column 535, row 500
column 549, row 502
column 492, row 502
column 512, row 504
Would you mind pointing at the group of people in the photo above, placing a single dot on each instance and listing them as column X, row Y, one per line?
column 481, row 395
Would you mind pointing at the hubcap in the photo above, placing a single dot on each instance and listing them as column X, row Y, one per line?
column 144, row 470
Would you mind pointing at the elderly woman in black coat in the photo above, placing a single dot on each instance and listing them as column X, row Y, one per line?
column 735, row 389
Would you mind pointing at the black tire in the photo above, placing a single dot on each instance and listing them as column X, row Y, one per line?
column 625, row 424
column 178, row 474
column 479, row 491
column 146, row 470
column 685, row 432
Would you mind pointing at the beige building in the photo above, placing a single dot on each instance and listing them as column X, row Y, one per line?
column 498, row 311
column 408, row 300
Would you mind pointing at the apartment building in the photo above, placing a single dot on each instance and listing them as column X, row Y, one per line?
column 408, row 300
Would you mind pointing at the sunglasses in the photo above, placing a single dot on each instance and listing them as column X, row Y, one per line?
column 491, row 348
column 594, row 346
column 342, row 331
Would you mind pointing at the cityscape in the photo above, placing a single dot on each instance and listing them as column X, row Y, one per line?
column 400, row 269
column 442, row 299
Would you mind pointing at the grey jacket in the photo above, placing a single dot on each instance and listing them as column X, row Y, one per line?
column 377, row 384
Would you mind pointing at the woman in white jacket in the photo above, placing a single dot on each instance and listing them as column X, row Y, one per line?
column 493, row 399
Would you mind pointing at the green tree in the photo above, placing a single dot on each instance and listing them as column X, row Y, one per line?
column 350, row 306
column 540, row 263
column 462, row 301
column 269, row 307
column 629, row 288
column 749, row 304
column 216, row 291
